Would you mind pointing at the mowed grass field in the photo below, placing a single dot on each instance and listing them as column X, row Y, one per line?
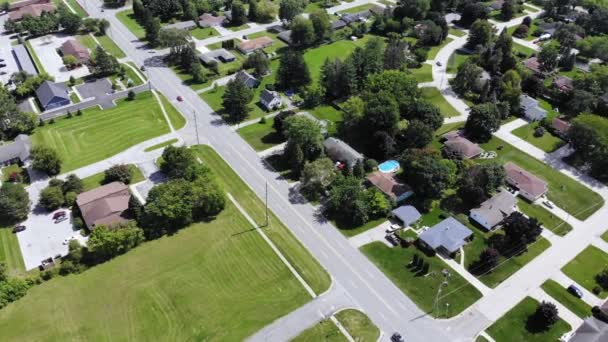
column 215, row 281
column 10, row 254
column 99, row 134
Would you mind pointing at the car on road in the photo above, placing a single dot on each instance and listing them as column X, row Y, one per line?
column 396, row 337
column 18, row 228
column 180, row 98
column 59, row 214
column 438, row 63
column 575, row 291
column 61, row 219
column 548, row 204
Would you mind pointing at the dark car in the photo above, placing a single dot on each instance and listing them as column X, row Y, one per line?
column 392, row 238
column 58, row 214
column 18, row 228
column 575, row 291
column 397, row 338
column 2, row 65
column 180, row 98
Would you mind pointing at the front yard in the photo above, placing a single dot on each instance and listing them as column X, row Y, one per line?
column 586, row 266
column 574, row 304
column 261, row 136
column 547, row 142
column 434, row 96
column 548, row 220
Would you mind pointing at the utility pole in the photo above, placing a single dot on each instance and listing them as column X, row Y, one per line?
column 266, row 203
column 198, row 142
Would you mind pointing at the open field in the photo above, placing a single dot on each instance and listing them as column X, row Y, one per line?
column 10, row 253
column 203, row 32
column 455, row 60
column 99, row 134
column 432, row 95
column 422, row 290
column 560, row 294
column 586, row 266
column 357, row 9
column 178, row 121
column 512, row 326
column 156, row 291
column 293, row 250
column 564, row 191
column 96, row 180
column 349, row 231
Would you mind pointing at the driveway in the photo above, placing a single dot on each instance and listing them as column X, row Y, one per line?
column 46, row 49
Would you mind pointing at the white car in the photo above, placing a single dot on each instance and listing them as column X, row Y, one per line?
column 393, row 228
column 548, row 204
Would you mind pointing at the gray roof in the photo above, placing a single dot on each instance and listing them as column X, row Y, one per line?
column 19, row 149
column 24, row 61
column 276, row 28
column 448, row 234
column 268, row 95
column 338, row 24
column 222, row 55
column 495, row 209
column 531, row 108
column 338, row 150
column 592, row 330
column 246, row 78
column 285, row 36
column 49, row 90
column 182, row 25
column 352, row 17
column 407, row 214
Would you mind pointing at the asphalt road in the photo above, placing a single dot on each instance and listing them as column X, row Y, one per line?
column 368, row 287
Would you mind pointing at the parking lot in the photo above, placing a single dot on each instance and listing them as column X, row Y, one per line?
column 46, row 48
column 6, row 53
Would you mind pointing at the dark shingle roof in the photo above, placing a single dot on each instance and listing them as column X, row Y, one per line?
column 19, row 149
column 49, row 90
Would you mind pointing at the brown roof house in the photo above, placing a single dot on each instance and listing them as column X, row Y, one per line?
column 105, row 205
column 455, row 142
column 34, row 10
column 493, row 211
column 533, row 65
column 209, row 20
column 563, row 84
column 390, row 186
column 530, row 187
column 255, row 44
column 73, row 48
column 561, row 127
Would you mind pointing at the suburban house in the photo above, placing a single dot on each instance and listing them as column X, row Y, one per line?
column 531, row 109
column 390, row 186
column 276, row 29
column 338, row 24
column 339, row 151
column 455, row 142
column 533, row 65
column 447, row 236
column 72, row 47
column 24, row 61
column 219, row 55
column 493, row 211
column 530, row 187
column 187, row 25
column 285, row 36
column 105, row 205
column 209, row 20
column 17, row 151
column 563, row 83
column 14, row 5
column 561, row 127
column 53, row 95
column 547, row 28
column 270, row 99
column 592, row 330
column 497, row 5
column 407, row 214
column 247, row 78
column 33, row 10
column 362, row 16
column 255, row 44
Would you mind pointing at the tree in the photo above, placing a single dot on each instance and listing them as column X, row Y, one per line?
column 429, row 33
column 305, row 133
column 346, row 202
column 118, row 173
column 382, row 113
column 236, row 100
column 602, row 279
column 239, row 14
column 103, row 25
column 72, row 184
column 51, row 198
column 289, row 9
column 521, row 31
column 14, row 122
column 507, row 10
column 177, row 161
column 152, row 27
column 416, row 135
column 104, row 63
column 544, row 317
column 488, row 260
column 321, row 24
column 467, row 76
column 477, row 182
column 266, row 11
column 302, row 32
column 472, row 12
column 106, row 242
column 293, row 72
column 548, row 56
column 316, row 177
column 483, row 120
column 511, row 88
column 259, row 62
column 481, row 34
column 424, row 112
column 252, row 14
column 427, row 173
column 395, row 53
column 70, row 22
column 46, row 159
column 14, row 203
column 279, row 120
column 520, row 231
column 295, row 157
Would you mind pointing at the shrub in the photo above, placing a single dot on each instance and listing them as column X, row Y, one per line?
column 539, row 132
column 78, row 112
column 118, row 173
column 131, row 95
column 370, row 165
column 263, row 120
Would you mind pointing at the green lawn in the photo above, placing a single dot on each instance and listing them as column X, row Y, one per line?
column 586, row 266
column 422, row 290
column 161, row 145
column 518, row 48
column 37, row 62
column 96, row 180
column 560, row 294
column 217, row 280
column 456, row 32
column 548, row 142
column 293, row 250
column 127, row 18
column 261, row 136
column 564, row 191
column 324, row 331
column 203, row 32
column 481, row 339
column 455, row 60
column 548, row 220
column 349, row 231
column 433, row 95
column 106, row 42
column 99, row 134
column 135, row 77
column 331, row 114
column 530, row 37
column 358, row 325
column 357, row 9
column 10, row 253
column 434, row 50
column 423, row 74
column 238, row 28
column 177, row 119
column 605, row 236
column 341, row 49
column 512, row 326
column 75, row 6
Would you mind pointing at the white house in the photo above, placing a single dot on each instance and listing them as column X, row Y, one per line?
column 270, row 99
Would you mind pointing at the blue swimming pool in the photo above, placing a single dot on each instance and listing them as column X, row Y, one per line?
column 389, row 166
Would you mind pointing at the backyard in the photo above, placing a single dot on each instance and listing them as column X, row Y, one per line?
column 586, row 266
column 420, row 289
column 512, row 326
column 99, row 134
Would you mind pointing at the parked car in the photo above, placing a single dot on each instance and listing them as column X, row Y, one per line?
column 548, row 204
column 392, row 238
column 46, row 264
column 2, row 65
column 18, row 228
column 142, row 68
column 397, row 338
column 59, row 214
column 393, row 227
column 575, row 291
column 61, row 219
column 180, row 98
